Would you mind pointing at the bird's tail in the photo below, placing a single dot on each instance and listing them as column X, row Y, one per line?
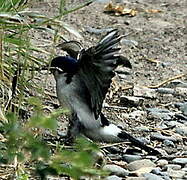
column 111, row 133
column 123, row 135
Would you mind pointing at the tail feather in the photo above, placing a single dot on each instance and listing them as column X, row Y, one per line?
column 123, row 135
column 111, row 133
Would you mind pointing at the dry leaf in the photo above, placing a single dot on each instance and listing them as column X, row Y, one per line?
column 153, row 11
column 119, row 10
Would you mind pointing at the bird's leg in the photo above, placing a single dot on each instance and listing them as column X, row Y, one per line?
column 73, row 129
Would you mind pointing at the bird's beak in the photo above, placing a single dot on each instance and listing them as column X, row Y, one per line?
column 54, row 69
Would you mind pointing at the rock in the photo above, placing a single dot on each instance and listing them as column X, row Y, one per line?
column 184, row 169
column 142, row 129
column 178, row 104
column 184, row 153
column 168, row 143
column 173, row 166
column 135, row 165
column 135, row 178
column 162, row 151
column 130, row 158
column 144, row 139
column 183, row 108
column 113, row 149
column 160, row 113
column 151, row 176
column 176, row 173
column 159, row 136
column 181, row 91
column 165, row 90
column 158, row 171
column 181, row 116
column 181, row 161
column 129, row 42
column 177, row 83
column 113, row 177
column 162, row 125
column 181, row 130
column 116, row 170
column 173, row 123
column 162, row 162
column 152, row 158
column 166, row 178
column 137, row 114
column 144, row 92
column 131, row 101
column 159, row 110
column 165, row 64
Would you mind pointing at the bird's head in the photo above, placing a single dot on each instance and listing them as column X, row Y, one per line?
column 67, row 64
column 64, row 64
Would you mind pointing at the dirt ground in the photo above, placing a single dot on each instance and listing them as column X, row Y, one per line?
column 155, row 44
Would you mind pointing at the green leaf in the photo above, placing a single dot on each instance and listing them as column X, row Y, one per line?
column 62, row 6
column 16, row 41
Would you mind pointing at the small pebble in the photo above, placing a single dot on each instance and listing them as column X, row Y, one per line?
column 166, row 178
column 142, row 129
column 130, row 158
column 172, row 166
column 162, row 162
column 151, row 176
column 113, row 177
column 177, row 83
column 173, row 123
column 116, row 170
column 129, row 42
column 181, row 130
column 137, row 114
column 165, row 90
column 180, row 161
column 168, row 143
column 158, row 171
column 144, row 92
column 152, row 158
column 176, row 173
column 181, row 91
column 131, row 101
column 135, row 165
column 159, row 136
column 181, row 116
column 135, row 178
column 184, row 169
column 160, row 113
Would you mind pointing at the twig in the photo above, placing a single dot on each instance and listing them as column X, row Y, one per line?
column 115, row 107
column 127, row 87
column 114, row 144
column 152, row 60
column 167, row 81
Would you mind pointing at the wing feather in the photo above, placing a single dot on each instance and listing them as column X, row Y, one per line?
column 97, row 66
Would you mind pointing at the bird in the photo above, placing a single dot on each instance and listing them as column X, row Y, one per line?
column 83, row 78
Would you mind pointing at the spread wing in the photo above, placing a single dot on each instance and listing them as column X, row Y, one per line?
column 97, row 66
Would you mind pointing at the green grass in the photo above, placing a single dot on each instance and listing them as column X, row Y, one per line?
column 21, row 114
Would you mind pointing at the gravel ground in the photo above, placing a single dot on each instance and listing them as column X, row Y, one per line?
column 150, row 101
